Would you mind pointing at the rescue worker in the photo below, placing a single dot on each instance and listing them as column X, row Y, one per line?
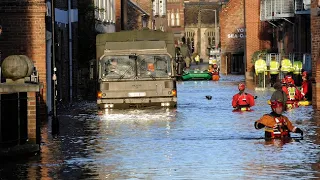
column 214, row 69
column 279, row 94
column 286, row 66
column 293, row 93
column 260, row 66
column 197, row 59
column 274, row 71
column 306, row 87
column 242, row 101
column 276, row 125
column 185, row 52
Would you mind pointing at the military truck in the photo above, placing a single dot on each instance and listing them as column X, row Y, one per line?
column 136, row 69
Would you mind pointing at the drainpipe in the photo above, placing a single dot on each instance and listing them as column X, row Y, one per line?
column 70, row 51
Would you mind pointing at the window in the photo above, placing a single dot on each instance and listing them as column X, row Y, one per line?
column 178, row 17
column 169, row 18
column 172, row 18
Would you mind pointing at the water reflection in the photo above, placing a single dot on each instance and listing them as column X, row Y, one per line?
column 200, row 139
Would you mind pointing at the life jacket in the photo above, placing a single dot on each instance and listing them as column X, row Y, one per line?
column 286, row 65
column 291, row 93
column 274, row 67
column 197, row 58
column 279, row 130
column 260, row 66
column 242, row 100
column 297, row 67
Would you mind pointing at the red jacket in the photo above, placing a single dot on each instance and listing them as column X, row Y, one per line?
column 242, row 100
column 296, row 96
column 306, row 89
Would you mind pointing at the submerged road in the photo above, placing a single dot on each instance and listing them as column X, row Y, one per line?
column 200, row 139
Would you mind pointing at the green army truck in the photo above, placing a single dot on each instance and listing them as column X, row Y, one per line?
column 136, row 69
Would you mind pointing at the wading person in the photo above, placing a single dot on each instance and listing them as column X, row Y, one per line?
column 242, row 100
column 306, row 87
column 279, row 94
column 275, row 124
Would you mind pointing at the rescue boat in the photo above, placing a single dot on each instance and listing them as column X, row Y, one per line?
column 196, row 75
column 300, row 103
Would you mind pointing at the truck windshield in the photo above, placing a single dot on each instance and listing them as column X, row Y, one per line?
column 153, row 66
column 117, row 67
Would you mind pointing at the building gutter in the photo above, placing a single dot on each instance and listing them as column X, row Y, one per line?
column 70, row 53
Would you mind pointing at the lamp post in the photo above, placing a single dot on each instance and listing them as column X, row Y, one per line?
column 199, row 27
column 55, row 121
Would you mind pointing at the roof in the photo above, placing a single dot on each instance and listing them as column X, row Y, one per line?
column 207, row 16
column 138, row 7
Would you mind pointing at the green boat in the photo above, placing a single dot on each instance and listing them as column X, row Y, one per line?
column 196, row 75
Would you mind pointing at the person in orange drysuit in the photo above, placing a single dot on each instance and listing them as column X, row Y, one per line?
column 293, row 93
column 276, row 125
column 242, row 100
column 214, row 69
column 306, row 87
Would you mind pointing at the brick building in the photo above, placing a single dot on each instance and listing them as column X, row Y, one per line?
column 315, row 26
column 175, row 18
column 24, row 33
column 232, row 36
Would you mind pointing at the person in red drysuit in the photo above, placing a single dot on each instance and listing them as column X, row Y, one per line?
column 242, row 100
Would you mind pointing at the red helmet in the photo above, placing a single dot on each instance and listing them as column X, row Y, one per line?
column 304, row 74
column 241, row 87
column 276, row 103
column 289, row 80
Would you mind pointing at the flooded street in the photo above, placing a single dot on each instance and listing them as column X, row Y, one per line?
column 200, row 139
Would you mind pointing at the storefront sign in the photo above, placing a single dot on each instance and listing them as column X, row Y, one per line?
column 240, row 34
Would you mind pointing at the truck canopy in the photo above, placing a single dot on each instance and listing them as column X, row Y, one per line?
column 138, row 39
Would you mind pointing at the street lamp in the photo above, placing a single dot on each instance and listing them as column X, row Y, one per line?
column 199, row 27
column 55, row 121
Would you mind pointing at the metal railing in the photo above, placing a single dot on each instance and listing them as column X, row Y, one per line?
column 276, row 9
column 302, row 6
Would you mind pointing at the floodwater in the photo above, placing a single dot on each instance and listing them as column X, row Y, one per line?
column 200, row 139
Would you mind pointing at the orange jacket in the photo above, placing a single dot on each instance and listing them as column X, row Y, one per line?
column 242, row 100
column 276, row 127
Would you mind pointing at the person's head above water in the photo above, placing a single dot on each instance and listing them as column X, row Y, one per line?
column 241, row 87
column 277, row 106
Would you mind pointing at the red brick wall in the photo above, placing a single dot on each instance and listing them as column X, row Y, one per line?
column 252, row 21
column 231, row 17
column 118, row 15
column 32, row 121
column 173, row 5
column 315, row 50
column 23, row 24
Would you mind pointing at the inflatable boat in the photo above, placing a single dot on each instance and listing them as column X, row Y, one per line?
column 196, row 75
column 300, row 103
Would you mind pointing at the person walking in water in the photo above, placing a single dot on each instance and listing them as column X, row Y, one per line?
column 242, row 100
column 279, row 94
column 275, row 124
column 306, row 87
column 185, row 53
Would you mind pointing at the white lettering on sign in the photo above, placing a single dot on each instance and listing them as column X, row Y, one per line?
column 240, row 34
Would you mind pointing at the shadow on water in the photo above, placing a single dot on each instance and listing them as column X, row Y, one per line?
column 200, row 139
